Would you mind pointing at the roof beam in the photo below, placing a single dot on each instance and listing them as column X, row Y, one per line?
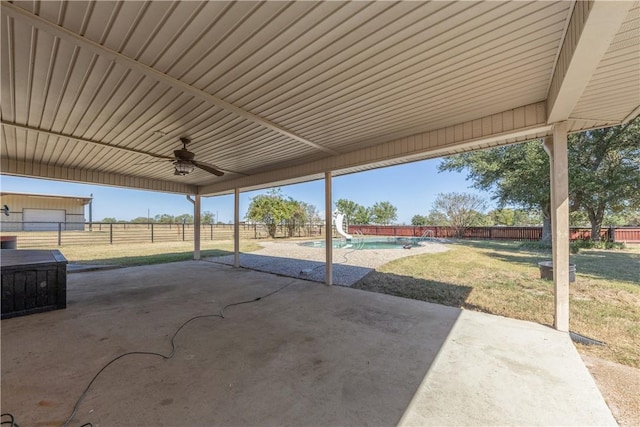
column 85, row 140
column 118, row 58
column 59, row 173
column 98, row 143
column 593, row 26
column 519, row 124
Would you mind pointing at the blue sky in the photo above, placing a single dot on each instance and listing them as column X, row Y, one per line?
column 412, row 188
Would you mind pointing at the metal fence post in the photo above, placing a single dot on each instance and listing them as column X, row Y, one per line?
column 111, row 233
column 211, row 226
column 183, row 231
column 59, row 234
column 151, row 232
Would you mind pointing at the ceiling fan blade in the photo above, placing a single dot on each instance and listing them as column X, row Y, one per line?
column 207, row 167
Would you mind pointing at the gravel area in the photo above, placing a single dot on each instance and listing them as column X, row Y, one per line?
column 294, row 260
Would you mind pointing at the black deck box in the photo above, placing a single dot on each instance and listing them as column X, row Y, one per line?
column 33, row 281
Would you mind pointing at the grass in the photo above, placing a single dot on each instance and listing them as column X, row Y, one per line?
column 499, row 278
column 149, row 253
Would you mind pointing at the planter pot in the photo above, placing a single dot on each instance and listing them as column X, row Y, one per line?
column 546, row 271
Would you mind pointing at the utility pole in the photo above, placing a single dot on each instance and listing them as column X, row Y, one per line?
column 91, row 213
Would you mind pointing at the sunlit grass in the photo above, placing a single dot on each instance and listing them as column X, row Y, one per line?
column 498, row 278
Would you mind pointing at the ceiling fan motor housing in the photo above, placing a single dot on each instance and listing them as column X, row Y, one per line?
column 184, row 154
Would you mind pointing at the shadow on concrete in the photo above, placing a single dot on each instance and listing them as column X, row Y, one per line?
column 343, row 274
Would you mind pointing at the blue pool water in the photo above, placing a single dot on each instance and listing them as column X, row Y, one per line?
column 372, row 243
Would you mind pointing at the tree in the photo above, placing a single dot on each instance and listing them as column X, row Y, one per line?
column 142, row 220
column 513, row 217
column 270, row 209
column 207, row 217
column 516, row 174
column 312, row 213
column 184, row 218
column 419, row 220
column 437, row 218
column 362, row 216
column 384, row 213
column 164, row 218
column 109, row 220
column 296, row 216
column 604, row 172
column 460, row 209
column 348, row 208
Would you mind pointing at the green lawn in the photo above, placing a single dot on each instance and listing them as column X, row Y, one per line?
column 499, row 278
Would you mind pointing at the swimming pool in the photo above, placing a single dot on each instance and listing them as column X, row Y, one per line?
column 368, row 243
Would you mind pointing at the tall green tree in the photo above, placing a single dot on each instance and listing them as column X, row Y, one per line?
column 419, row 220
column 296, row 216
column 517, row 175
column 462, row 210
column 384, row 213
column 513, row 217
column 272, row 209
column 207, row 217
column 363, row 215
column 604, row 174
column 348, row 209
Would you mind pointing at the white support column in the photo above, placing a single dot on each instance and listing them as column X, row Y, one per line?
column 328, row 228
column 556, row 147
column 236, row 227
column 196, row 228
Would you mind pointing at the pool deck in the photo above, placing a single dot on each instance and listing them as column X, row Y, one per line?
column 349, row 265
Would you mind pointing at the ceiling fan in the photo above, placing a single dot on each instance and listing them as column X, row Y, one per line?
column 184, row 161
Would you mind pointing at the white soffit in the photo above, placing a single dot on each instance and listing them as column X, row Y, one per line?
column 272, row 91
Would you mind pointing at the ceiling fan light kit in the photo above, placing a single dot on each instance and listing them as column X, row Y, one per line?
column 183, row 167
column 184, row 161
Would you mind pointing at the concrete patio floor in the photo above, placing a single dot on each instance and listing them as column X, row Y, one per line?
column 309, row 355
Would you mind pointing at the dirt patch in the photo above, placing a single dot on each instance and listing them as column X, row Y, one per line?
column 620, row 387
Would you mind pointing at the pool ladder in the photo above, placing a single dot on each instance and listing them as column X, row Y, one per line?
column 358, row 239
column 426, row 234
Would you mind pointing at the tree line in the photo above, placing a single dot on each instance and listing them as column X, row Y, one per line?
column 206, row 217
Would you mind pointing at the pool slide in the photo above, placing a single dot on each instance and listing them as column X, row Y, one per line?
column 339, row 219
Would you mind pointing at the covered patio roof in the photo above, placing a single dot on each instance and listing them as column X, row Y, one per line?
column 281, row 92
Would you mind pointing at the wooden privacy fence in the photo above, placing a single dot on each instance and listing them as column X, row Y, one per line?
column 616, row 234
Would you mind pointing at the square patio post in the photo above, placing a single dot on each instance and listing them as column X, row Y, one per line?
column 196, row 228
column 556, row 148
column 236, row 227
column 328, row 241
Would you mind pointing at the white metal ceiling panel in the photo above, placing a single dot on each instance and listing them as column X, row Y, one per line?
column 259, row 87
